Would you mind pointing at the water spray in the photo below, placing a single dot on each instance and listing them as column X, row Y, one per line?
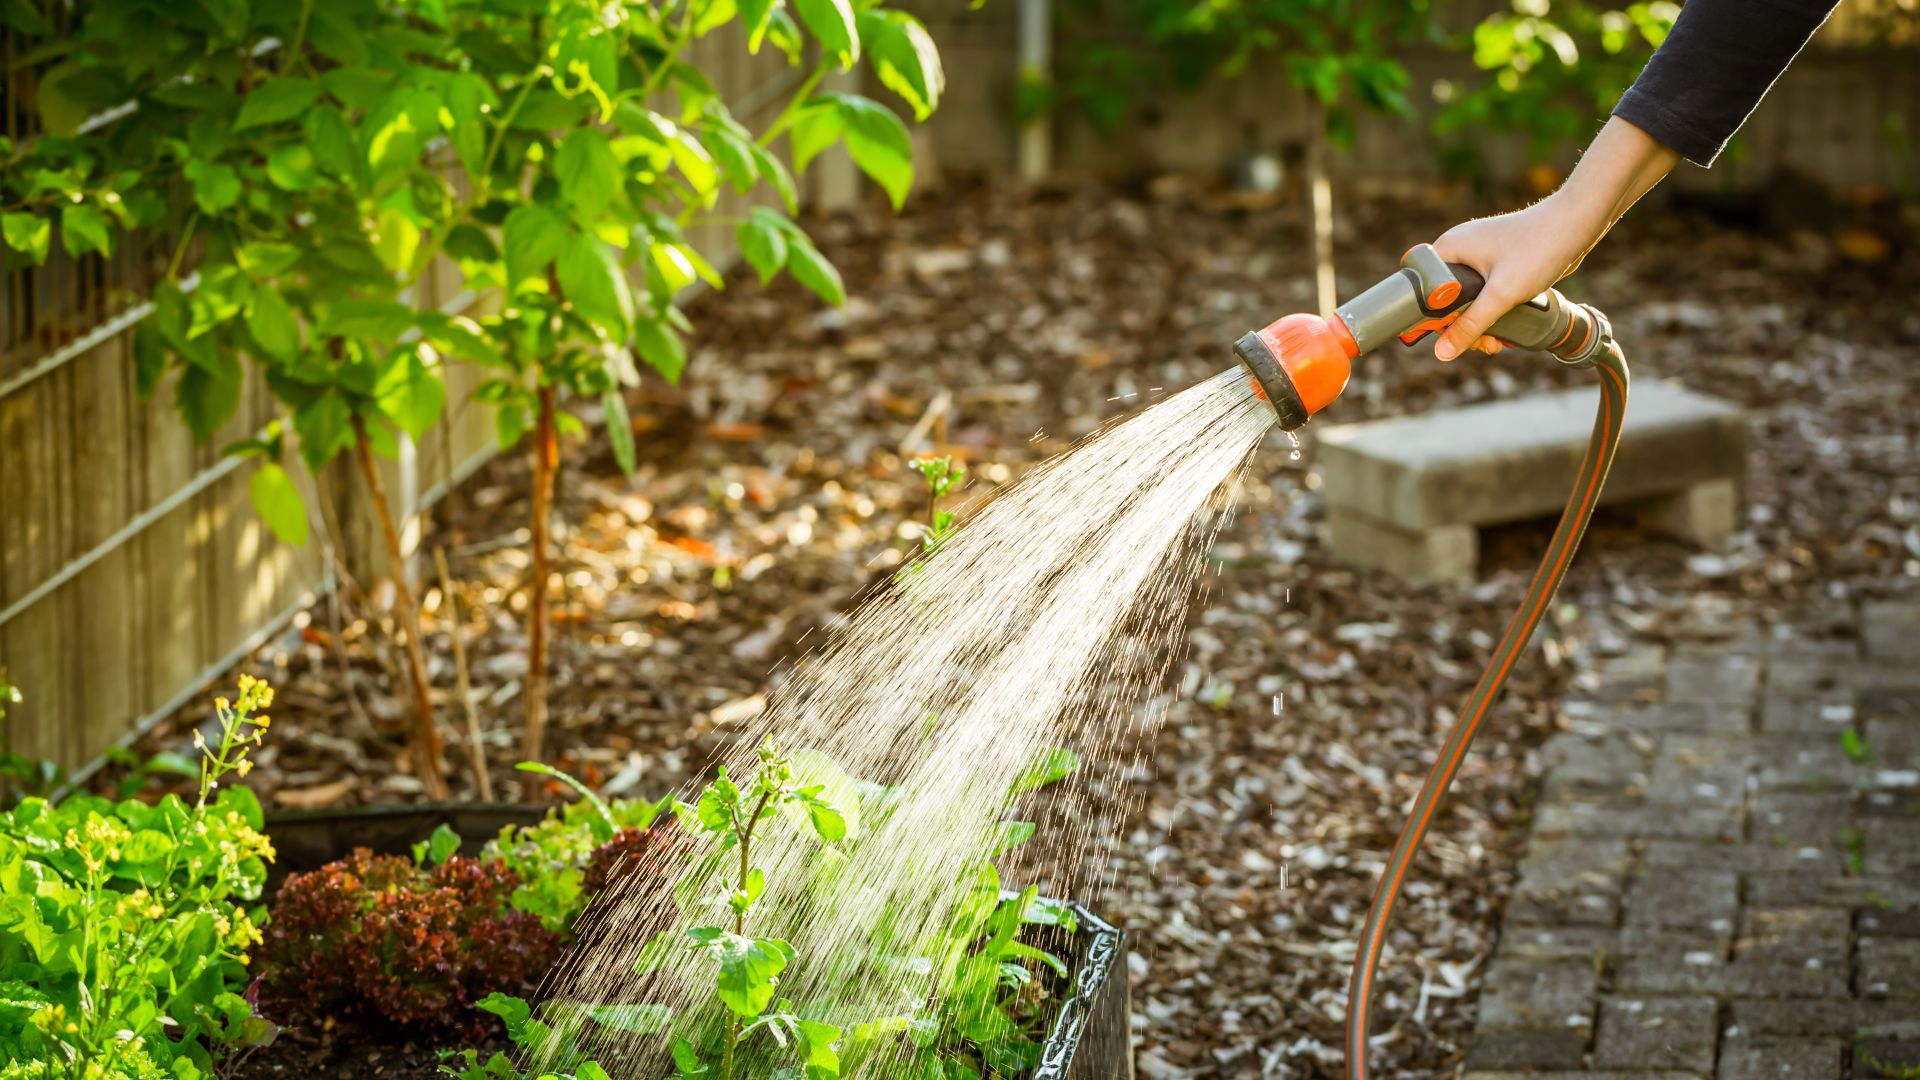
column 1301, row 363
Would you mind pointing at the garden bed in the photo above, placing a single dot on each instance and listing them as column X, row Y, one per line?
column 772, row 490
column 1087, row 1039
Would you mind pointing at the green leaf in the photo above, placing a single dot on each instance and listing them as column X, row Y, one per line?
column 736, row 158
column 442, row 844
column 810, row 268
column 764, row 246
column 410, row 394
column 749, row 969
column 880, row 145
column 661, row 348
column 604, row 813
column 593, row 283
column 695, row 163
column 215, row 186
column 785, row 35
column 776, row 174
column 511, row 1010
column 832, row 22
column 61, row 110
column 396, row 239
column 291, row 168
column 149, row 358
column 272, row 324
column 754, row 15
column 589, row 173
column 904, row 57
column 325, row 426
column 84, row 229
column 276, row 100
column 1011, row 834
column 468, row 98
column 331, row 141
column 510, row 424
column 368, row 320
column 1048, row 766
column 818, row 126
column 613, row 407
column 278, row 503
column 29, row 234
column 358, row 88
column 208, row 393
column 397, row 131
column 534, row 236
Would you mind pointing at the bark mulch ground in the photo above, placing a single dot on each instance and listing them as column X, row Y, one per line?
column 1004, row 326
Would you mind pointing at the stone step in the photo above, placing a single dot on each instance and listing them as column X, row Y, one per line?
column 1408, row 494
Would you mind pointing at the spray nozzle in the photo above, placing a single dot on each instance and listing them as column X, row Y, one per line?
column 1301, row 362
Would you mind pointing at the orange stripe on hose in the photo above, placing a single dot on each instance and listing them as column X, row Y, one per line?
column 1574, row 521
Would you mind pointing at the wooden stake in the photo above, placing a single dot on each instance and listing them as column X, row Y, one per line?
column 476, row 753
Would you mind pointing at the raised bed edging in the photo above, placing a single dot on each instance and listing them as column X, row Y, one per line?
column 1091, row 1038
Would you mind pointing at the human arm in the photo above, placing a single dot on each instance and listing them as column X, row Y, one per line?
column 1701, row 84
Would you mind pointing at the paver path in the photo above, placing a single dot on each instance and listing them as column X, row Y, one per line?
column 1723, row 874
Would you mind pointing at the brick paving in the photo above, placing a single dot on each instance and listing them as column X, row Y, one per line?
column 1722, row 880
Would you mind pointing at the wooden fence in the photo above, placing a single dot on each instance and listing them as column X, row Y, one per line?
column 132, row 566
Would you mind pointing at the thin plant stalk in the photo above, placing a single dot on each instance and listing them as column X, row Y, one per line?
column 546, row 462
column 426, row 735
column 476, row 753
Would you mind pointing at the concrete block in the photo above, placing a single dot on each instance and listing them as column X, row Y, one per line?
column 1704, row 514
column 1681, row 460
column 1440, row 553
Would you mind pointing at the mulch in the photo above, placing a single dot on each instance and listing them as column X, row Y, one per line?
column 1002, row 326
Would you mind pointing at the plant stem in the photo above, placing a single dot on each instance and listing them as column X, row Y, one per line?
column 745, row 834
column 546, row 461
column 476, row 754
column 299, row 36
column 800, row 97
column 426, row 736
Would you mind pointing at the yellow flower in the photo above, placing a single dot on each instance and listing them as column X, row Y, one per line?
column 245, row 767
column 264, row 720
column 247, row 681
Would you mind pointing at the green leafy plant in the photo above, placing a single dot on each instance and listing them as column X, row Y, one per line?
column 1855, row 745
column 125, row 929
column 1551, row 66
column 748, row 968
column 941, row 474
column 531, row 1037
column 330, row 156
column 576, row 851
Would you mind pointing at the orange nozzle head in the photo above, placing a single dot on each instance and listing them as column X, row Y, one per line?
column 1299, row 364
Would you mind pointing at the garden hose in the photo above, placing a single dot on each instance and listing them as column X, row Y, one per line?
column 1300, row 364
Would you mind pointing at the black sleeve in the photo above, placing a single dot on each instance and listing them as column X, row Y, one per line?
column 1717, row 63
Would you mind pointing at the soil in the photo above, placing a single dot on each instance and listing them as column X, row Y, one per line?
column 1002, row 326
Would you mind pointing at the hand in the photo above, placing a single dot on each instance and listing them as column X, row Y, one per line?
column 1523, row 253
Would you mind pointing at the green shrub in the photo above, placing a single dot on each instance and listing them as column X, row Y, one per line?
column 125, row 927
column 1552, row 70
